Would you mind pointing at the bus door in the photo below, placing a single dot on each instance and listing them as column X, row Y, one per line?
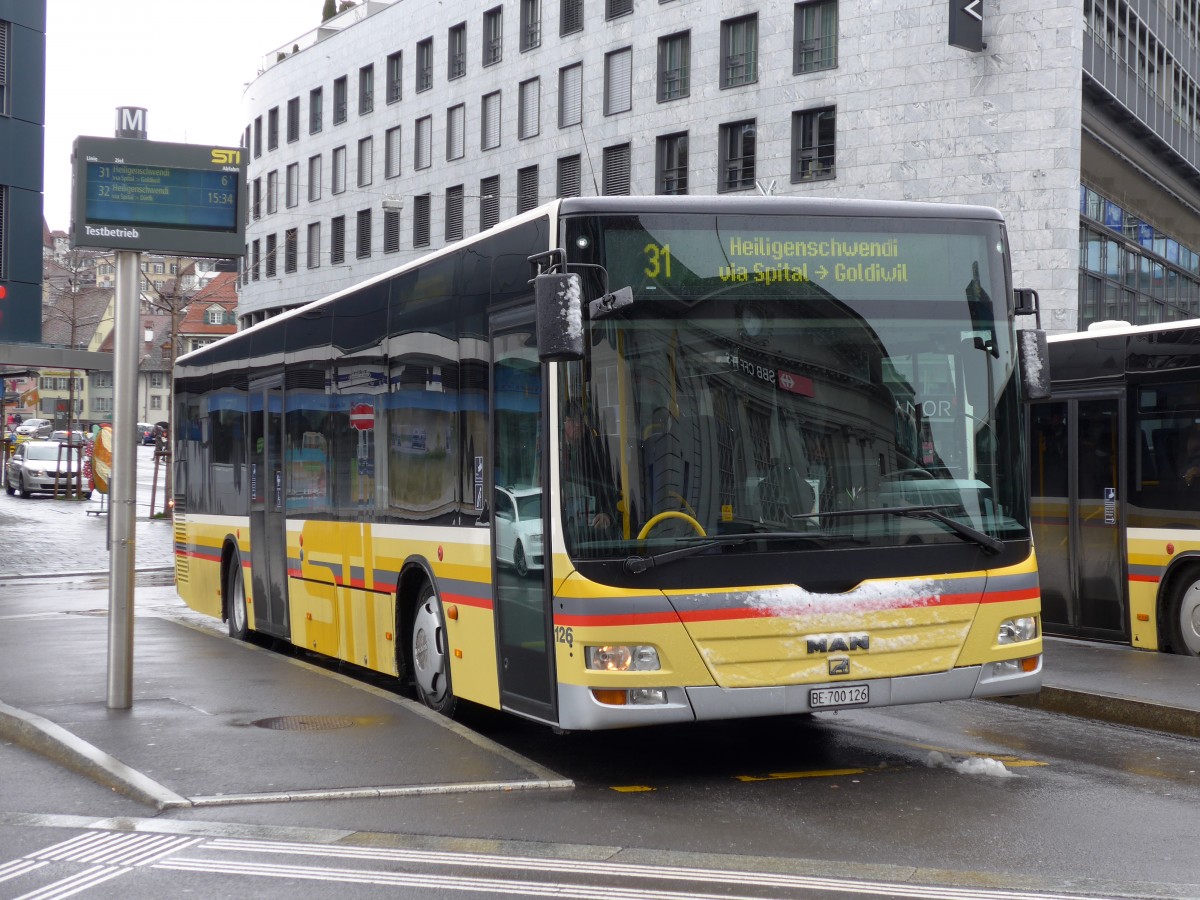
column 268, row 545
column 516, row 508
column 1078, row 504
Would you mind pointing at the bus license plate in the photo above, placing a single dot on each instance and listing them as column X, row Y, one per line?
column 842, row 695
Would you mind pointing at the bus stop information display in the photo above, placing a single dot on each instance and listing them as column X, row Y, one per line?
column 149, row 195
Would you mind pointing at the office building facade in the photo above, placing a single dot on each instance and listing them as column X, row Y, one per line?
column 396, row 129
column 22, row 138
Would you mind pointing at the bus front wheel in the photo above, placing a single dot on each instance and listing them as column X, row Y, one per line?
column 430, row 654
column 235, row 599
column 1185, row 618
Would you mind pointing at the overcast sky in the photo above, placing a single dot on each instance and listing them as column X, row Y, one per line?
column 186, row 61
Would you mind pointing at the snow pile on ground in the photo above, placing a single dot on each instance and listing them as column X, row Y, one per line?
column 974, row 765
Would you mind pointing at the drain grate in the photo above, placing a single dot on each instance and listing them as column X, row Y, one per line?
column 305, row 723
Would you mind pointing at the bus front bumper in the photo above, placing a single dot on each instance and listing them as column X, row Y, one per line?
column 579, row 710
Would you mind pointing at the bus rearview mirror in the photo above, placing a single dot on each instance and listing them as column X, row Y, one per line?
column 559, row 301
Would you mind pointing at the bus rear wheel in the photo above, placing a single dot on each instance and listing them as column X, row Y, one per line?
column 430, row 655
column 235, row 600
column 1185, row 618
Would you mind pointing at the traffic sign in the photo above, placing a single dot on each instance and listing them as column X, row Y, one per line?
column 362, row 416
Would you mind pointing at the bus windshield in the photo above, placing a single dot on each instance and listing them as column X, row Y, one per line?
column 825, row 382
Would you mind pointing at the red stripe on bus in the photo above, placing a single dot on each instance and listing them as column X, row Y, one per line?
column 578, row 621
column 1148, row 579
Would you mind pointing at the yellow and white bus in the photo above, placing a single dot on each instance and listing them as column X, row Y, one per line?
column 1115, row 485
column 633, row 460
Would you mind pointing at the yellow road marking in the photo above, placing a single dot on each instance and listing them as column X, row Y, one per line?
column 783, row 776
column 632, row 788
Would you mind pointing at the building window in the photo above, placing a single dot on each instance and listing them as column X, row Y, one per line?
column 363, row 249
column 490, row 123
column 272, row 240
column 339, row 100
column 569, row 181
column 456, row 52
column 618, row 81
column 337, row 242
column 615, row 8
column 273, row 128
column 813, row 144
column 293, row 120
column 421, row 220
column 292, row 185
column 391, row 231
column 425, row 65
column 257, row 137
column 424, row 142
column 489, row 202
column 291, row 241
column 671, row 159
column 314, row 245
column 615, row 176
column 816, row 36
column 454, row 213
column 570, row 17
column 674, row 52
column 314, row 178
column 570, row 95
column 527, row 188
column 155, row 399
column 315, row 114
column 493, row 36
column 736, row 165
column 391, row 152
column 214, row 316
column 529, row 113
column 739, row 51
column 456, row 124
column 255, row 262
column 256, row 200
column 366, row 161
column 531, row 24
column 395, row 78
column 272, row 191
column 366, row 89
column 338, row 184
column 4, row 32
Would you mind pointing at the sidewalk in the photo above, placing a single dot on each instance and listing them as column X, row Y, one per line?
column 215, row 722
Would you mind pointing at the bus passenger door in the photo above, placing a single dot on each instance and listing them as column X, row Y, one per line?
column 1078, row 505
column 268, row 545
column 516, row 510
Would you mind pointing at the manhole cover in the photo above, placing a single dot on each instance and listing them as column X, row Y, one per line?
column 305, row 723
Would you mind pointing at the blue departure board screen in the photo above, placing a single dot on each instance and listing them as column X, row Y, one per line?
column 168, row 197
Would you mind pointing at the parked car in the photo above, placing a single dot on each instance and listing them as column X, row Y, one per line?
column 34, row 430
column 41, row 467
column 145, row 433
column 62, row 436
column 518, row 523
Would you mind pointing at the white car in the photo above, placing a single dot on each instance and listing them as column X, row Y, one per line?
column 517, row 514
column 34, row 430
column 42, row 467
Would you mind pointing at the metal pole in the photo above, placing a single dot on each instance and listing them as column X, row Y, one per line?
column 122, row 487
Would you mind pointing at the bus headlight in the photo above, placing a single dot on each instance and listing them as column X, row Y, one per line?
column 1014, row 631
column 622, row 658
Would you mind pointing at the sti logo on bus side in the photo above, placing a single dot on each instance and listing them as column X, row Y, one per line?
column 831, row 643
column 222, row 157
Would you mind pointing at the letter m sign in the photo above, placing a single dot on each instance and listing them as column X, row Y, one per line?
column 131, row 122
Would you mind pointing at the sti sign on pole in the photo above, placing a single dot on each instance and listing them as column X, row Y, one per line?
column 159, row 197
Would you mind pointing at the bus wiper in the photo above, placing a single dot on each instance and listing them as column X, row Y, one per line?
column 986, row 541
column 635, row 565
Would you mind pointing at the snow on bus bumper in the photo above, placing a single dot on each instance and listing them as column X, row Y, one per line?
column 582, row 708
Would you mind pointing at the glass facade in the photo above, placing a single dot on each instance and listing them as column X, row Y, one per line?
column 1129, row 270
